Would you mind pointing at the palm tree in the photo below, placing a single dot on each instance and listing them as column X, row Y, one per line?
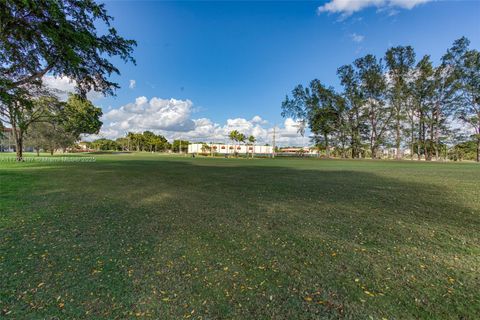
column 205, row 148
column 252, row 140
column 233, row 135
column 241, row 138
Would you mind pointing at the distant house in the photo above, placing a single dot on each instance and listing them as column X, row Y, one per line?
column 83, row 145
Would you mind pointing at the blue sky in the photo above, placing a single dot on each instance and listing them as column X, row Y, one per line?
column 223, row 61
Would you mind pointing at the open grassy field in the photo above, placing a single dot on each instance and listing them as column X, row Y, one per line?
column 167, row 237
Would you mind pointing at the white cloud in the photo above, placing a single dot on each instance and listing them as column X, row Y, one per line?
column 259, row 120
column 172, row 119
column 347, row 7
column 62, row 86
column 357, row 37
column 132, row 84
column 153, row 114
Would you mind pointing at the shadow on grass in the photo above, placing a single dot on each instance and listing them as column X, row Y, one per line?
column 172, row 239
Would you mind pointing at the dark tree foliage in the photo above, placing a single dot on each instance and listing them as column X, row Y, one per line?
column 180, row 145
column 321, row 108
column 356, row 115
column 61, row 38
column 55, row 124
column 395, row 102
column 422, row 90
column 466, row 65
column 80, row 116
column 374, row 87
column 39, row 37
column 400, row 61
column 146, row 141
column 30, row 106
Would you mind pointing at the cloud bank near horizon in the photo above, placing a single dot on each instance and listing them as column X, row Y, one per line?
column 348, row 7
column 173, row 119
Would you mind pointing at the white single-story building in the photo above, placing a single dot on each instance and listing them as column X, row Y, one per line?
column 228, row 148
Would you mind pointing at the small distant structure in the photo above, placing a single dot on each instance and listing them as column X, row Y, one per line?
column 225, row 149
column 391, row 153
column 83, row 145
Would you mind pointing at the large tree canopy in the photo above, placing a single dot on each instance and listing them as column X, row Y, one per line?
column 80, row 116
column 55, row 124
column 318, row 106
column 59, row 37
column 466, row 64
column 400, row 61
column 395, row 102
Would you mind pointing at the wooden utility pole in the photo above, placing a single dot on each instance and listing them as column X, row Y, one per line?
column 273, row 142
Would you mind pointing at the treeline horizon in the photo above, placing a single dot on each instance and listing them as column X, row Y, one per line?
column 141, row 141
column 396, row 101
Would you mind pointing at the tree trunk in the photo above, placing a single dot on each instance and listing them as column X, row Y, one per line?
column 432, row 139
column 397, row 140
column 424, row 142
column 38, row 151
column 18, row 136
column 352, row 135
column 327, row 146
column 412, row 139
column 373, row 147
column 419, row 138
column 373, row 150
column 437, row 135
column 352, row 144
column 19, row 146
column 357, row 134
column 478, row 148
column 373, row 136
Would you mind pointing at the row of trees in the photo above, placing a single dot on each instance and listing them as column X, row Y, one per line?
column 395, row 101
column 146, row 141
column 57, row 38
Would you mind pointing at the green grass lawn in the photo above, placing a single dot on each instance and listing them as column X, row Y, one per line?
column 141, row 235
